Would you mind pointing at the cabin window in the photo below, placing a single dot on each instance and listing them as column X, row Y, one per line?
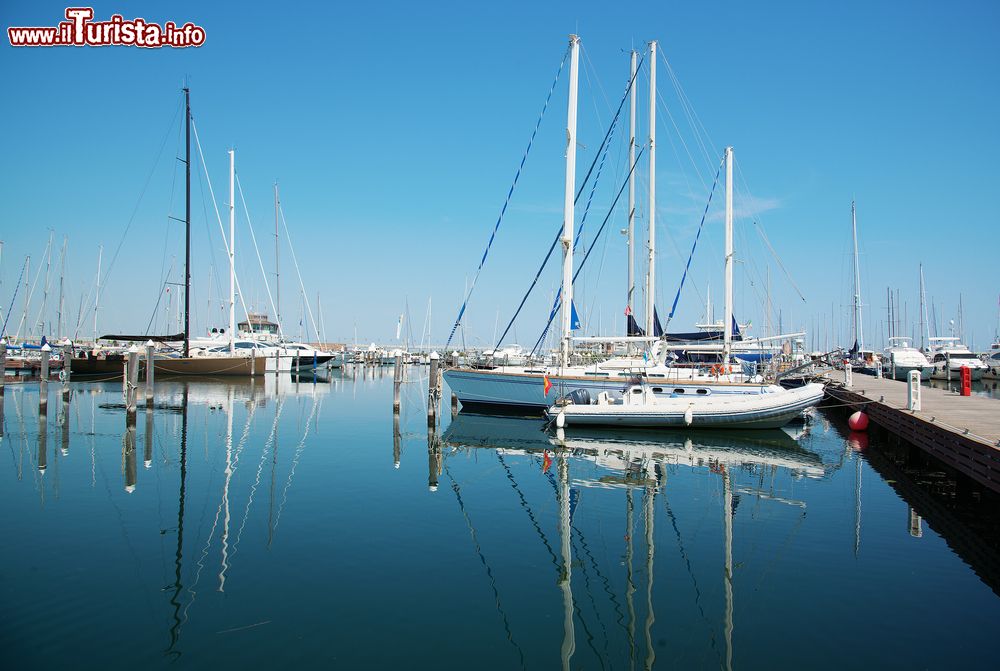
column 596, row 373
column 703, row 391
column 657, row 390
column 656, row 375
column 678, row 391
column 637, row 391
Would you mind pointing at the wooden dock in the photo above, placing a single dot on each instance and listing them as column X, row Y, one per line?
column 961, row 431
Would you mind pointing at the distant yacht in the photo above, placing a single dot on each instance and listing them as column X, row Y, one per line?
column 900, row 358
column 949, row 355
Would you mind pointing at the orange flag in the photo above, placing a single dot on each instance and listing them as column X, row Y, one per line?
column 547, row 384
column 546, row 462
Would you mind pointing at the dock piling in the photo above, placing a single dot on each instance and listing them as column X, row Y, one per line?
column 397, row 378
column 131, row 383
column 150, row 373
column 43, row 379
column 67, row 368
column 848, row 376
column 433, row 388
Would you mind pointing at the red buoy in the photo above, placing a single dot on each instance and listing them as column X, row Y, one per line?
column 858, row 421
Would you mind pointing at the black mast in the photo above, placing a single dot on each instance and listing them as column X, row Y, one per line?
column 187, row 221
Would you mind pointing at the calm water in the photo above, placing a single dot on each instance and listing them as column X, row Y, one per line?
column 243, row 522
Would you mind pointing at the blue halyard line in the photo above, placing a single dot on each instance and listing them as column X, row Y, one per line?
column 583, row 184
column 687, row 266
column 506, row 202
column 585, row 256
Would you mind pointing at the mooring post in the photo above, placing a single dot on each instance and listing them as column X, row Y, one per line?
column 848, row 375
column 397, row 378
column 67, row 368
column 913, row 402
column 43, row 379
column 132, row 384
column 433, row 390
column 3, row 364
column 878, row 369
column 150, row 373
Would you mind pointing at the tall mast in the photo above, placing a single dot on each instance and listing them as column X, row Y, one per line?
column 62, row 277
column 651, row 275
column 97, row 290
column 232, row 251
column 859, row 333
column 631, row 186
column 568, row 213
column 277, row 275
column 187, row 221
column 925, row 326
column 727, row 317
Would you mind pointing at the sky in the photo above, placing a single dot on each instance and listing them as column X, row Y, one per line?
column 395, row 130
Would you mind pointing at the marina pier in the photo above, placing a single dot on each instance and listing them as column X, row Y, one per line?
column 961, row 431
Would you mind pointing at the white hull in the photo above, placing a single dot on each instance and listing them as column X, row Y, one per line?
column 945, row 373
column 770, row 409
column 523, row 390
column 903, row 372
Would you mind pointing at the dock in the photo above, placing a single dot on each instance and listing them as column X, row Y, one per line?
column 961, row 431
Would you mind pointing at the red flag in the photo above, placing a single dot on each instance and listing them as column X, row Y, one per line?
column 546, row 384
column 546, row 462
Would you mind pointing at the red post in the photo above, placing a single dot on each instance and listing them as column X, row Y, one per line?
column 966, row 380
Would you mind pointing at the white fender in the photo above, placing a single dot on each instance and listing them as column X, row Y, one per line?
column 561, row 419
column 689, row 415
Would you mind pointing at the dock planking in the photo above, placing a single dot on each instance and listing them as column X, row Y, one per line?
column 961, row 431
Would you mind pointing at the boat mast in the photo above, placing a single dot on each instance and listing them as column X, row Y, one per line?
column 631, row 188
column 232, row 251
column 651, row 274
column 62, row 277
column 97, row 290
column 859, row 334
column 568, row 214
column 727, row 317
column 277, row 275
column 925, row 325
column 187, row 221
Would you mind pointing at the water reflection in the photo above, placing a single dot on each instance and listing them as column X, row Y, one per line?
column 635, row 461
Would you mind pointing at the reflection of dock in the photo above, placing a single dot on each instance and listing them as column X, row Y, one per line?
column 961, row 431
column 931, row 495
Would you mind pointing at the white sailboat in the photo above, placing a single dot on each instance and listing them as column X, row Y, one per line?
column 527, row 386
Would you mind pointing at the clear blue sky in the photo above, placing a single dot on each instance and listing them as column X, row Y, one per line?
column 395, row 131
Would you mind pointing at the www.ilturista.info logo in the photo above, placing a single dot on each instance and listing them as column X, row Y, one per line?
column 80, row 30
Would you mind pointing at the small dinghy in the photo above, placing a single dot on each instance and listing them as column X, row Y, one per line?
column 757, row 407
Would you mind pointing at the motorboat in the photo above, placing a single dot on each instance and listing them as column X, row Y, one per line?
column 900, row 358
column 769, row 406
column 949, row 356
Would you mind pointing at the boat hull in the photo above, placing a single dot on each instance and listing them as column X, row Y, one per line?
column 903, row 372
column 945, row 373
column 492, row 390
column 210, row 366
column 764, row 411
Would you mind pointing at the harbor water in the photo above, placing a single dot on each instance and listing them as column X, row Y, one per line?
column 295, row 522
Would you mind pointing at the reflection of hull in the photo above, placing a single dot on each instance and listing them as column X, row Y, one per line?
column 210, row 365
column 695, row 448
column 770, row 410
